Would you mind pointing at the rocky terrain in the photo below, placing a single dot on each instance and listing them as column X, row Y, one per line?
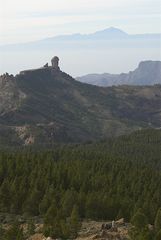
column 49, row 106
column 147, row 73
column 89, row 230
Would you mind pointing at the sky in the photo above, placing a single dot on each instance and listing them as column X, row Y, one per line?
column 24, row 21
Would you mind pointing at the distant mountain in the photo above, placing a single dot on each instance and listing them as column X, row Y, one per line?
column 147, row 73
column 108, row 50
column 44, row 106
column 107, row 34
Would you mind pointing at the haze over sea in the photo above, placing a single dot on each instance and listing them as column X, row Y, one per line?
column 24, row 21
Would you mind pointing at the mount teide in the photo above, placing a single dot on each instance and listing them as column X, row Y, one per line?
column 46, row 106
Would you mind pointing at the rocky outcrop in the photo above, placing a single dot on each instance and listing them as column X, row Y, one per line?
column 93, row 230
column 147, row 73
column 39, row 236
column 11, row 96
column 25, row 134
column 55, row 63
column 45, row 69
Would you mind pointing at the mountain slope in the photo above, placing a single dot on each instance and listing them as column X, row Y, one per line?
column 147, row 73
column 44, row 106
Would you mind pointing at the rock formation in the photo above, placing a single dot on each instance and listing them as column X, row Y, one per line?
column 55, row 63
column 46, row 65
column 54, row 67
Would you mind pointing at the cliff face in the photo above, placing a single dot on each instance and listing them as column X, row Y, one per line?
column 10, row 95
column 43, row 107
column 147, row 73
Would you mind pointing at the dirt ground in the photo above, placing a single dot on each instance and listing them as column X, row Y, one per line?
column 91, row 230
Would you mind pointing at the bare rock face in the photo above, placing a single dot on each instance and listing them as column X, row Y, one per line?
column 111, row 235
column 93, row 230
column 11, row 96
column 55, row 63
column 24, row 133
column 46, row 65
column 120, row 222
column 39, row 236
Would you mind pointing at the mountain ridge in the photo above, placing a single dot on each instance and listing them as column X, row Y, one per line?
column 111, row 32
column 45, row 106
column 147, row 73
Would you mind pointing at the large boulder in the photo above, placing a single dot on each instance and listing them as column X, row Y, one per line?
column 120, row 222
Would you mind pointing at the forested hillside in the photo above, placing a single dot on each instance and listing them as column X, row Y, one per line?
column 105, row 180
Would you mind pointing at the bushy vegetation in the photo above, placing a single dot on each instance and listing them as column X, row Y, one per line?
column 104, row 180
column 15, row 231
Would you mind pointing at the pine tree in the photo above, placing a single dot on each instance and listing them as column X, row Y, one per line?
column 65, row 229
column 139, row 220
column 157, row 223
column 52, row 224
column 141, row 234
column 68, row 201
column 30, row 227
column 5, row 196
column 44, row 204
column 51, row 214
column 158, row 235
column 14, row 232
column 2, row 232
column 74, row 222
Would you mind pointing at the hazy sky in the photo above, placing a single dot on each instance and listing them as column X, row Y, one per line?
column 22, row 20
